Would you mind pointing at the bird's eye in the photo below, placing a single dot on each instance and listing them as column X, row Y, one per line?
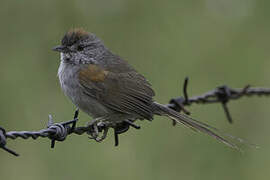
column 80, row 48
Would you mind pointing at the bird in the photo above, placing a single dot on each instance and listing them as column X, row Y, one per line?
column 109, row 89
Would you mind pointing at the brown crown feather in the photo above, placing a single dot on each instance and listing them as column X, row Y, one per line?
column 78, row 32
column 74, row 35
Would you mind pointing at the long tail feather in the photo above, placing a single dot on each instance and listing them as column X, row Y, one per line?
column 240, row 140
column 194, row 124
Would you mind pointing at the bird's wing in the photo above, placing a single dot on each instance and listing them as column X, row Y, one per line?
column 125, row 92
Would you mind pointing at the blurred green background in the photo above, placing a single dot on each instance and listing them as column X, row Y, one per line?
column 214, row 42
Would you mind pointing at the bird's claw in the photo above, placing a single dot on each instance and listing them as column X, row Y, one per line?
column 96, row 128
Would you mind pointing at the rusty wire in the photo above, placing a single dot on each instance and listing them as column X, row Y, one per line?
column 60, row 131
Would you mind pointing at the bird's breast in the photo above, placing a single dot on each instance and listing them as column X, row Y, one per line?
column 68, row 77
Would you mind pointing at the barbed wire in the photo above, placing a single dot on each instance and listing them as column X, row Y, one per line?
column 60, row 131
column 222, row 94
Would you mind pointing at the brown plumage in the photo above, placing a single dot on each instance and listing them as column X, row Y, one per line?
column 126, row 92
column 104, row 85
column 93, row 73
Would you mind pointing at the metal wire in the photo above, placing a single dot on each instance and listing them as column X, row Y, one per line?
column 59, row 131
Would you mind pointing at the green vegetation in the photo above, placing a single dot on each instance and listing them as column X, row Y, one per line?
column 213, row 42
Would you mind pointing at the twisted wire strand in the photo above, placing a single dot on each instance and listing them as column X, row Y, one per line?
column 44, row 133
column 59, row 131
column 211, row 97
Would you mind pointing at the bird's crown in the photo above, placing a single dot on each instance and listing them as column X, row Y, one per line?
column 75, row 35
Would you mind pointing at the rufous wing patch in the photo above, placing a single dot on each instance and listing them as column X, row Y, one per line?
column 93, row 73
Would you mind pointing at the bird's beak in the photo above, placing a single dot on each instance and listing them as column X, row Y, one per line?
column 60, row 48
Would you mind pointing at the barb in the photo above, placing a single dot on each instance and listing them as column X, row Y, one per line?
column 222, row 94
column 3, row 142
column 60, row 131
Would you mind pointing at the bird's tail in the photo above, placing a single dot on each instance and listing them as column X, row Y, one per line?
column 195, row 125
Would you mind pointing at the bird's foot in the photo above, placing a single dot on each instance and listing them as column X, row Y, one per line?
column 98, row 126
column 104, row 134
